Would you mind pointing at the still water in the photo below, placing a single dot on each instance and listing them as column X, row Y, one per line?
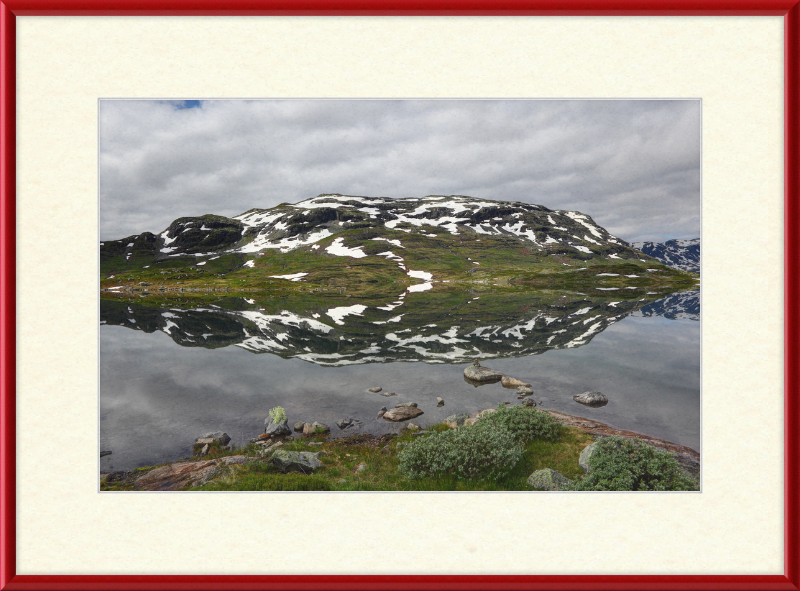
column 169, row 375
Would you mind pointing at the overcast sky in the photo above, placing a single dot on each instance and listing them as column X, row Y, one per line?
column 634, row 166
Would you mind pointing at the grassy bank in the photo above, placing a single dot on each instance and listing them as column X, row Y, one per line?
column 498, row 452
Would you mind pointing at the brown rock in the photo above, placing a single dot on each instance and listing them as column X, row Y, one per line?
column 402, row 414
column 179, row 475
column 509, row 382
column 263, row 436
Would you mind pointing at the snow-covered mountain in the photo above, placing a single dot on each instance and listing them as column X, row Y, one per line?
column 678, row 254
column 289, row 227
column 682, row 305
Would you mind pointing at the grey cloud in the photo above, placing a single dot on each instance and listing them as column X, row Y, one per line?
column 634, row 166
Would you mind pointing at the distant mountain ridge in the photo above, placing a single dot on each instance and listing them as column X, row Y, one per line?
column 366, row 245
column 288, row 227
column 678, row 254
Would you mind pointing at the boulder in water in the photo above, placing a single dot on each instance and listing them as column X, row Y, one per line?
column 591, row 399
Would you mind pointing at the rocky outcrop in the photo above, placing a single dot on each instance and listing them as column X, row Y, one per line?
column 593, row 399
column 401, row 414
column 303, row 462
column 548, row 479
column 187, row 474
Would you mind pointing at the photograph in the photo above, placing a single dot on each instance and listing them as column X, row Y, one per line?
column 399, row 295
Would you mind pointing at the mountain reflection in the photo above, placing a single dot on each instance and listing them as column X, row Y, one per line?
column 453, row 329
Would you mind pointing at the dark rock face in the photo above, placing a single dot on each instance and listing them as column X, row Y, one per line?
column 303, row 462
column 215, row 437
column 273, row 429
column 593, row 399
column 678, row 254
column 348, row 422
column 202, row 234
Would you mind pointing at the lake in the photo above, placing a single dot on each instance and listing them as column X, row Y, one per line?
column 170, row 374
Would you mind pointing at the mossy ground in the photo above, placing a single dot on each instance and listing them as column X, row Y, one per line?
column 342, row 456
column 494, row 262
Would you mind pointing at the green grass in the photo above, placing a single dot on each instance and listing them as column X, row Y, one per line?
column 505, row 263
column 382, row 473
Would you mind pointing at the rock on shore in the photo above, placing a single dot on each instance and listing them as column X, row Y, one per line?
column 402, row 414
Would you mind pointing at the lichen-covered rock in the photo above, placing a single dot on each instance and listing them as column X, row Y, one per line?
column 303, row 462
column 586, row 454
column 478, row 373
column 279, row 429
column 509, row 382
column 591, row 399
column 402, row 414
column 454, row 421
column 548, row 479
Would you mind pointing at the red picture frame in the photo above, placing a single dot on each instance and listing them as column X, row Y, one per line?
column 788, row 9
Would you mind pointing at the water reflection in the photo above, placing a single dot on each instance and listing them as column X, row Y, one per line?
column 456, row 329
column 156, row 398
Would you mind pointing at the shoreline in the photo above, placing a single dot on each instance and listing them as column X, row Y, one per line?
column 687, row 457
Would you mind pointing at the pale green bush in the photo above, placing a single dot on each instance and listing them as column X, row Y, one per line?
column 277, row 414
column 468, row 452
column 524, row 424
column 624, row 464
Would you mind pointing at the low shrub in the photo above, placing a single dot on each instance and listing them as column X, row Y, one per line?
column 525, row 424
column 481, row 451
column 623, row 464
column 277, row 414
